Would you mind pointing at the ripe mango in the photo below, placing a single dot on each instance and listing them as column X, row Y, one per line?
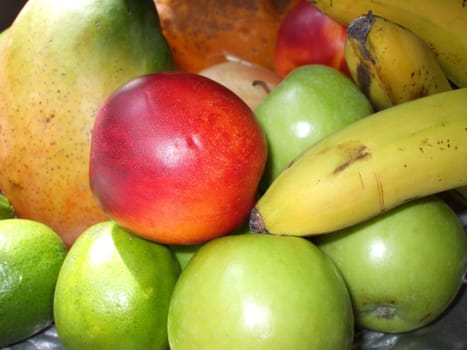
column 59, row 62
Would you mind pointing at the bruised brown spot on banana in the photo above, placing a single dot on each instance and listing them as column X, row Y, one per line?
column 352, row 152
column 441, row 24
column 391, row 64
column 359, row 31
column 364, row 78
column 380, row 189
column 256, row 223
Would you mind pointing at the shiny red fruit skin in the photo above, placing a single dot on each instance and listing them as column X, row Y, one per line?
column 176, row 158
column 308, row 36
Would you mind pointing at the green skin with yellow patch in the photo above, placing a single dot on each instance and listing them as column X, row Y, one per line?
column 31, row 255
column 113, row 291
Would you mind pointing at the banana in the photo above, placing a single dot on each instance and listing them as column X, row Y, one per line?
column 441, row 24
column 390, row 63
column 408, row 151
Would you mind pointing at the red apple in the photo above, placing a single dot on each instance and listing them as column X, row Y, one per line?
column 308, row 36
column 176, row 158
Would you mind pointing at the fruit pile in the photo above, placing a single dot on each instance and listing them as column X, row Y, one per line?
column 231, row 175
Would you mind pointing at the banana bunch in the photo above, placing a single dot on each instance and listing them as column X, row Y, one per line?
column 390, row 63
column 411, row 150
column 441, row 24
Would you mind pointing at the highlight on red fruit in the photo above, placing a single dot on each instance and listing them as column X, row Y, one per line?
column 176, row 158
column 308, row 36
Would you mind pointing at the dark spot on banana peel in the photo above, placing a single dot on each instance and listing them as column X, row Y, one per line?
column 291, row 163
column 352, row 153
column 360, row 27
column 426, row 142
column 256, row 223
column 364, row 78
column 380, row 188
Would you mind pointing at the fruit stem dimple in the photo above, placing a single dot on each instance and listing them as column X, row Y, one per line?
column 256, row 222
column 263, row 84
column 386, row 311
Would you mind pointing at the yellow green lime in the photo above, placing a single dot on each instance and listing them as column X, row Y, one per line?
column 31, row 255
column 113, row 291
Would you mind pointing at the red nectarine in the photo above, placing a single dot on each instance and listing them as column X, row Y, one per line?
column 176, row 158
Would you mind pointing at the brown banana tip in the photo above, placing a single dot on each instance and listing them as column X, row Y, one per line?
column 360, row 27
column 256, row 222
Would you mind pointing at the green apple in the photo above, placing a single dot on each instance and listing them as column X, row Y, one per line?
column 311, row 102
column 252, row 291
column 402, row 268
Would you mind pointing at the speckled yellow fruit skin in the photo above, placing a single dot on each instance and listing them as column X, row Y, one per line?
column 113, row 291
column 58, row 63
column 31, row 255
